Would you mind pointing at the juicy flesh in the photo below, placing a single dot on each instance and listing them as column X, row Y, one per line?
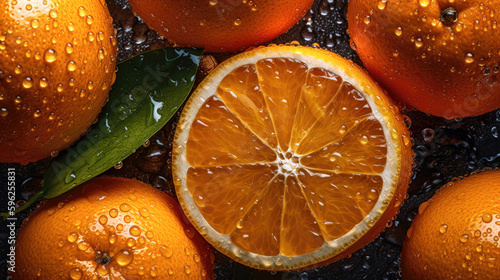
column 284, row 158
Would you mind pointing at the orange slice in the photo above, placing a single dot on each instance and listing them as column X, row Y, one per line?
column 285, row 157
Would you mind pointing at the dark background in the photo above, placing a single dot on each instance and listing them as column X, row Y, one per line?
column 445, row 149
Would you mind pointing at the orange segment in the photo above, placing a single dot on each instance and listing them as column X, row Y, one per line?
column 281, row 81
column 259, row 231
column 240, row 92
column 320, row 89
column 224, row 194
column 362, row 150
column 299, row 226
column 339, row 201
column 348, row 108
column 282, row 158
column 230, row 142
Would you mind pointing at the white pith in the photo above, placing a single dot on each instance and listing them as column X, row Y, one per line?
column 390, row 175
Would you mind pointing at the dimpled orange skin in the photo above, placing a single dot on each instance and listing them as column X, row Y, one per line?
column 456, row 234
column 220, row 25
column 140, row 228
column 445, row 69
column 57, row 64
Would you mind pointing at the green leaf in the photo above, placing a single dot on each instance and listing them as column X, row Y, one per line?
column 148, row 90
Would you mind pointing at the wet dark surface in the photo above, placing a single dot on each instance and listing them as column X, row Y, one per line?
column 445, row 149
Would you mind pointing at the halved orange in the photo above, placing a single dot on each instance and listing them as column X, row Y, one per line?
column 285, row 157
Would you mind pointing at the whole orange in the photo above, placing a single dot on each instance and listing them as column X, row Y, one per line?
column 220, row 25
column 111, row 228
column 57, row 64
column 439, row 56
column 456, row 233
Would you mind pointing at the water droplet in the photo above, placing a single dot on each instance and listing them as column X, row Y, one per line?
column 203, row 22
column 149, row 234
column 343, row 129
column 428, row 134
column 118, row 165
column 76, row 273
column 43, row 83
column 153, row 271
column 112, row 238
column 72, row 237
column 144, row 212
column 367, row 19
column 35, row 23
column 189, row 231
column 83, row 246
column 71, row 66
column 166, row 251
column 131, row 242
column 50, row 55
column 237, row 22
column 398, row 31
column 424, row 3
column 103, row 219
column 113, row 213
column 71, row 27
column 124, row 258
column 53, row 14
column 443, row 228
column 4, row 112
column 125, row 207
column 102, row 269
column 91, row 37
column 381, row 4
column 37, row 113
column 363, row 140
column 187, row 251
column 494, row 131
column 213, row 2
column 479, row 248
column 187, row 269
column 70, row 177
column 135, row 231
column 127, row 219
column 487, row 218
column 69, row 48
column 82, row 12
column 196, row 258
column 419, row 43
column 27, row 82
column 464, row 237
column 90, row 20
column 469, row 58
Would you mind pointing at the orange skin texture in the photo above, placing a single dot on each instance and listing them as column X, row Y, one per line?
column 447, row 70
column 456, row 233
column 226, row 26
column 47, row 104
column 63, row 237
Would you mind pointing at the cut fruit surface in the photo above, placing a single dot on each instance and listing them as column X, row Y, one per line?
column 286, row 157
